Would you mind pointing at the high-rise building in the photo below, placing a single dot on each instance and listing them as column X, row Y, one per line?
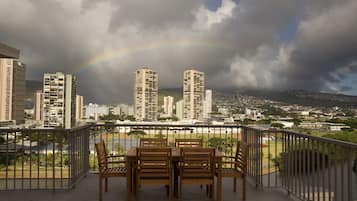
column 38, row 106
column 18, row 95
column 207, row 104
column 79, row 108
column 179, row 109
column 12, row 90
column 59, row 100
column 168, row 105
column 193, row 94
column 146, row 95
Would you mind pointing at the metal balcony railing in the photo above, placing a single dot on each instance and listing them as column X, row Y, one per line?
column 307, row 167
column 43, row 158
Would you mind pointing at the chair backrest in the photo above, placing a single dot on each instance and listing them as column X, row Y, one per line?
column 241, row 156
column 197, row 163
column 153, row 142
column 101, row 156
column 188, row 143
column 154, row 163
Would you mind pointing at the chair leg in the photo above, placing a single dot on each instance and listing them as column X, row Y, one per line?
column 170, row 192
column 212, row 191
column 244, row 187
column 234, row 184
column 106, row 184
column 180, row 190
column 100, row 188
column 136, row 191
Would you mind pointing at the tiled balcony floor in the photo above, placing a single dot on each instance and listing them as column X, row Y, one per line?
column 87, row 190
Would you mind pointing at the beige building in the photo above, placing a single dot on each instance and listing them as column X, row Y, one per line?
column 193, row 94
column 179, row 109
column 168, row 105
column 38, row 106
column 79, row 108
column 146, row 95
column 59, row 100
column 12, row 90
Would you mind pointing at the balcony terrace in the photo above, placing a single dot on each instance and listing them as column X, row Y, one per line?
column 60, row 164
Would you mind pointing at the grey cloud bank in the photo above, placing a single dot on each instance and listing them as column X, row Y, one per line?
column 104, row 42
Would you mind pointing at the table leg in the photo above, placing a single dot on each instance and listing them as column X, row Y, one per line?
column 128, row 180
column 175, row 179
column 219, row 181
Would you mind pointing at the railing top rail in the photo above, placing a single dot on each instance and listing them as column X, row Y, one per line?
column 45, row 129
column 169, row 125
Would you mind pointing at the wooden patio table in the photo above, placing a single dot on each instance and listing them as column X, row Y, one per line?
column 131, row 160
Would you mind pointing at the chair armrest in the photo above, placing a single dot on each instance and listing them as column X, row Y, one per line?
column 230, row 157
column 116, row 162
column 116, row 156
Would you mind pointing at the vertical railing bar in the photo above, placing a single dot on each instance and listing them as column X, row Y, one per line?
column 318, row 185
column 276, row 156
column 261, row 158
column 304, row 158
column 284, row 162
column 342, row 173
column 53, row 160
column 329, row 171
column 22, row 159
column 335, row 171
column 349, row 175
column 61, row 152
column 323, row 172
column 14, row 178
column 300, row 167
column 46, row 159
column 30, row 139
column 38, row 159
column 309, row 156
column 313, row 170
column 289, row 162
column 295, row 165
column 269, row 137
column 7, row 161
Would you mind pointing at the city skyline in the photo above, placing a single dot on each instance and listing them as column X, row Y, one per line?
column 235, row 43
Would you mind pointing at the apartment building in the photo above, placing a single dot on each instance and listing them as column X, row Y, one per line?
column 59, row 100
column 168, row 105
column 193, row 95
column 12, row 90
column 146, row 95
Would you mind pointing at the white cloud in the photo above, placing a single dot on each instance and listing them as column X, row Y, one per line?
column 206, row 18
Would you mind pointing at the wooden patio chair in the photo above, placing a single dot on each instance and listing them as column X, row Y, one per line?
column 179, row 143
column 236, row 166
column 188, row 143
column 153, row 142
column 154, row 168
column 197, row 166
column 104, row 160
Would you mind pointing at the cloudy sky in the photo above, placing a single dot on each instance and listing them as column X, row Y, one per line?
column 270, row 44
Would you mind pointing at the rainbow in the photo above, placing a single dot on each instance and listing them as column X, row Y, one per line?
column 120, row 53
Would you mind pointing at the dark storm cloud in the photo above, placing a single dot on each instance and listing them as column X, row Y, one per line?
column 236, row 45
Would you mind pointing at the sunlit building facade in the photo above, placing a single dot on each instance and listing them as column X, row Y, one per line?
column 146, row 95
column 193, row 95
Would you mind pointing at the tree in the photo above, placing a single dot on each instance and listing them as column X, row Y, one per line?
column 136, row 133
column 277, row 125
